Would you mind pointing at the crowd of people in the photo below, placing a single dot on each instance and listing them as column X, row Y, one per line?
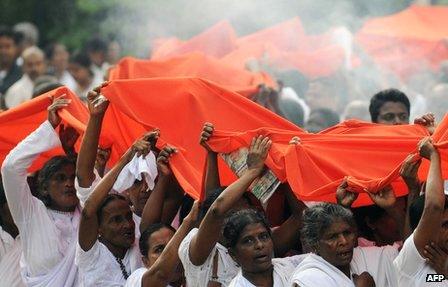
column 76, row 222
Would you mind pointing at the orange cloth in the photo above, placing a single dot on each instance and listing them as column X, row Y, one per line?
column 216, row 41
column 193, row 65
column 17, row 123
column 409, row 41
column 179, row 107
column 369, row 153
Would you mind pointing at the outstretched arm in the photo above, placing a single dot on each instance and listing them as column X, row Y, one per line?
column 212, row 173
column 160, row 273
column 209, row 230
column 88, row 228
column 434, row 198
column 89, row 146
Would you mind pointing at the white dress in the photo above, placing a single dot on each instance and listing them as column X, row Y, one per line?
column 201, row 275
column 21, row 91
column 283, row 269
column 48, row 237
column 412, row 269
column 377, row 261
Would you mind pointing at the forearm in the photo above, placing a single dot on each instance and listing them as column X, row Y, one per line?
column 88, row 151
column 16, row 164
column 104, row 186
column 152, row 211
column 434, row 195
column 212, row 174
column 230, row 196
column 160, row 273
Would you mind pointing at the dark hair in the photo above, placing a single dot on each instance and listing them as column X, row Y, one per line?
column 382, row 97
column 9, row 33
column 109, row 198
column 2, row 193
column 318, row 218
column 416, row 210
column 83, row 60
column 96, row 45
column 48, row 170
column 49, row 50
column 187, row 204
column 236, row 223
column 144, row 237
column 373, row 212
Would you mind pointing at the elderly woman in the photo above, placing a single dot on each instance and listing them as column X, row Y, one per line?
column 329, row 233
column 249, row 242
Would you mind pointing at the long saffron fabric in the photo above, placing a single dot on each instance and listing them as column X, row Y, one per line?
column 193, row 65
column 17, row 123
column 368, row 154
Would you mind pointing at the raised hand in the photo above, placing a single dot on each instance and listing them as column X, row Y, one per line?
column 57, row 104
column 68, row 137
column 96, row 102
column 363, row 280
column 437, row 258
column 163, row 160
column 152, row 138
column 206, row 134
column 258, row 152
column 384, row 198
column 344, row 196
column 426, row 148
column 428, row 121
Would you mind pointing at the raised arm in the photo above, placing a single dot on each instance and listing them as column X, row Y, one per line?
column 89, row 146
column 212, row 173
column 285, row 237
column 160, row 273
column 153, row 210
column 434, row 198
column 210, row 229
column 88, row 228
column 410, row 167
column 15, row 166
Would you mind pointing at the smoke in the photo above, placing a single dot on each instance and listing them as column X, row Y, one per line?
column 137, row 23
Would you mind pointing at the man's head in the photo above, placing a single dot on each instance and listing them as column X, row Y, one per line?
column 58, row 56
column 390, row 107
column 8, row 47
column 416, row 212
column 30, row 34
column 116, row 224
column 327, row 92
column 34, row 62
column 56, row 184
column 138, row 195
column 96, row 49
column 79, row 68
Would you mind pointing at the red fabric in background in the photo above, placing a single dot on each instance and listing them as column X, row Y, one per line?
column 193, row 65
column 409, row 41
column 216, row 41
column 17, row 123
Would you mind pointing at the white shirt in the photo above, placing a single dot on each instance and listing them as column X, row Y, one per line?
column 10, row 266
column 283, row 269
column 200, row 275
column 48, row 237
column 377, row 261
column 21, row 91
column 411, row 267
column 6, row 242
column 135, row 280
column 99, row 267
column 67, row 80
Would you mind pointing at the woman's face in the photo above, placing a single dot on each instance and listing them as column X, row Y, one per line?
column 337, row 243
column 254, row 249
column 62, row 190
column 157, row 243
